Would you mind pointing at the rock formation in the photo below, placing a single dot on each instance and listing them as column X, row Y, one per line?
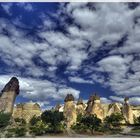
column 114, row 108
column 80, row 108
column 94, row 107
column 127, row 111
column 70, row 110
column 57, row 107
column 8, row 95
column 26, row 111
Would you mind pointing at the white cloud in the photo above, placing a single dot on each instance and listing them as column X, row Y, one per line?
column 28, row 7
column 132, row 100
column 105, row 100
column 79, row 80
column 117, row 99
column 40, row 90
column 7, row 7
column 106, row 23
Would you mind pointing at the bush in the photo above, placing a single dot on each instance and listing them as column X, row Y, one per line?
column 4, row 119
column 137, row 121
column 19, row 132
column 34, row 120
column 90, row 122
column 38, row 129
column 16, row 132
column 20, row 121
column 114, row 120
column 53, row 119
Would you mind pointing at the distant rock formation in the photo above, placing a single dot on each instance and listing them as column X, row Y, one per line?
column 127, row 111
column 26, row 111
column 57, row 107
column 69, row 110
column 114, row 108
column 80, row 108
column 8, row 95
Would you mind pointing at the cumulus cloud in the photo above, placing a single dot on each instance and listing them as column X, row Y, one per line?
column 96, row 28
column 40, row 90
column 132, row 100
column 105, row 100
column 79, row 80
column 7, row 8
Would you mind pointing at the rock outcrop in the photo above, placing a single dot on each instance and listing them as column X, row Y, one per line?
column 70, row 110
column 8, row 95
column 114, row 108
column 26, row 111
column 80, row 108
column 127, row 111
column 94, row 107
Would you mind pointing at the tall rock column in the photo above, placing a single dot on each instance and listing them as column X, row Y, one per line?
column 127, row 111
column 94, row 107
column 69, row 110
column 8, row 95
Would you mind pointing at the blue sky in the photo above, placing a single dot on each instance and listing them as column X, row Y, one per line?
column 79, row 48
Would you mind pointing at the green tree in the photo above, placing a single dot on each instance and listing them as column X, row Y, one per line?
column 114, row 120
column 87, row 122
column 137, row 120
column 4, row 119
column 20, row 121
column 20, row 131
column 34, row 120
column 53, row 119
column 92, row 122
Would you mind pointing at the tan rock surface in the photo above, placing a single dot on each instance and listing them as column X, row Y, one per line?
column 26, row 111
column 114, row 108
column 70, row 110
column 8, row 95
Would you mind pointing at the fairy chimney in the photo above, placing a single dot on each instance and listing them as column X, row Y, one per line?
column 80, row 107
column 8, row 95
column 94, row 106
column 70, row 110
column 127, row 111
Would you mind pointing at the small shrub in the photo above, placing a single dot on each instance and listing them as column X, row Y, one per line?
column 89, row 122
column 34, row 120
column 114, row 120
column 20, row 121
column 53, row 119
column 19, row 132
column 4, row 119
column 38, row 128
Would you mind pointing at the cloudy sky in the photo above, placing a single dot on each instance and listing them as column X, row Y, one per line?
column 79, row 48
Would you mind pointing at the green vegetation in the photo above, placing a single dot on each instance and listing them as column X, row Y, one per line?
column 4, row 119
column 34, row 120
column 136, row 128
column 16, row 132
column 89, row 122
column 37, row 127
column 20, row 121
column 137, row 121
column 54, row 120
column 114, row 120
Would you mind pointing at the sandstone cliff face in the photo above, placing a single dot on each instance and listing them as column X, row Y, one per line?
column 128, row 113
column 8, row 95
column 70, row 110
column 97, row 109
column 94, row 107
column 80, row 108
column 26, row 111
column 114, row 108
